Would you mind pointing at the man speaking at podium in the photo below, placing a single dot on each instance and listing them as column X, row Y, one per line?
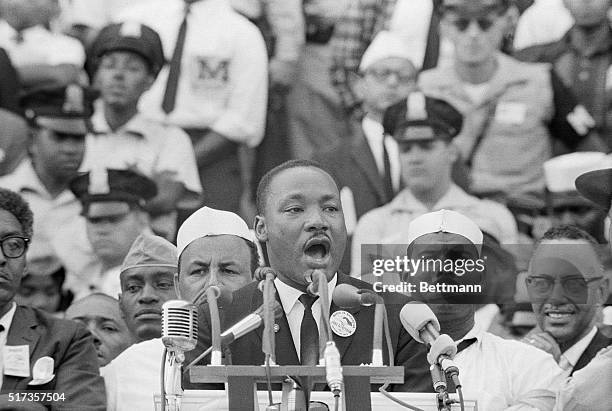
column 301, row 223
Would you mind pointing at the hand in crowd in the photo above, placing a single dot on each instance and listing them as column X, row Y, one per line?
column 544, row 341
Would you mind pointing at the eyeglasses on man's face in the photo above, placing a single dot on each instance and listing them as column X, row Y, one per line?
column 14, row 246
column 541, row 286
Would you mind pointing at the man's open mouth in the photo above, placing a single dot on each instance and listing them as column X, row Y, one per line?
column 559, row 313
column 317, row 248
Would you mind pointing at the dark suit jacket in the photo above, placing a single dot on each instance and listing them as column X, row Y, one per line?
column 354, row 350
column 599, row 341
column 354, row 167
column 74, row 355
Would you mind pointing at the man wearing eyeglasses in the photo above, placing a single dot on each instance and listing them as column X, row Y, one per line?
column 31, row 339
column 567, row 287
column 513, row 110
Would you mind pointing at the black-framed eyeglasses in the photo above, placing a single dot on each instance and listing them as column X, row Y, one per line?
column 14, row 246
column 575, row 287
column 484, row 23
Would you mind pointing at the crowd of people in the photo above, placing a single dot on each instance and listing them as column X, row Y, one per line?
column 153, row 148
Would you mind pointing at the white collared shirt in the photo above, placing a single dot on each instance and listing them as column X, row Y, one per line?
column 374, row 134
column 5, row 321
column 40, row 46
column 294, row 310
column 571, row 356
column 502, row 373
column 224, row 71
column 147, row 145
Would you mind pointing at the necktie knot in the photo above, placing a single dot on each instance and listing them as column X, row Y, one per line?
column 308, row 300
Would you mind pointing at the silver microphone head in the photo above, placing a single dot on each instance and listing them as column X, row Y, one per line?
column 179, row 325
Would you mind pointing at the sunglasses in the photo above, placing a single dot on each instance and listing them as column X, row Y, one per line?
column 484, row 23
column 540, row 287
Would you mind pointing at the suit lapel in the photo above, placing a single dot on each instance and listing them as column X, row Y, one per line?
column 285, row 348
column 599, row 341
column 21, row 332
column 364, row 161
column 343, row 343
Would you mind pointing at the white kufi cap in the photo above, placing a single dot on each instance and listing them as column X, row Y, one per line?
column 385, row 45
column 445, row 221
column 209, row 222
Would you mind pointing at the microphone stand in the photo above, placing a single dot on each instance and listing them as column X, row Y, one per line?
column 212, row 293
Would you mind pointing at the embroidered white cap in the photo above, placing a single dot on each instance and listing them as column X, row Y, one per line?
column 385, row 45
column 445, row 221
column 207, row 222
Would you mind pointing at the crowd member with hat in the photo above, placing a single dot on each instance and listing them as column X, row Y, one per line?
column 113, row 206
column 567, row 315
column 147, row 281
column 50, row 354
column 500, row 374
column 101, row 315
column 124, row 62
column 367, row 170
column 424, row 129
column 564, row 205
column 58, row 119
column 215, row 89
column 513, row 110
column 215, row 247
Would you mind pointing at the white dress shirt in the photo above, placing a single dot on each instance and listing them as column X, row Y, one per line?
column 224, row 77
column 571, row 356
column 507, row 374
column 374, row 134
column 40, row 46
column 5, row 321
column 294, row 310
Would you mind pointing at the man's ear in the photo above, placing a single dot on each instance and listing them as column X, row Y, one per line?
column 512, row 15
column 261, row 231
column 121, row 303
column 603, row 291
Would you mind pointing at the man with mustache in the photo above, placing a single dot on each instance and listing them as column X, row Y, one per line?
column 147, row 281
column 567, row 314
column 500, row 374
column 215, row 247
column 301, row 223
column 29, row 337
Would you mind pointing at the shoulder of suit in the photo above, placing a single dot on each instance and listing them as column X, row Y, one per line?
column 54, row 326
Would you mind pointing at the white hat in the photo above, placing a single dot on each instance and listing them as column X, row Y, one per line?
column 561, row 172
column 385, row 45
column 208, row 222
column 445, row 221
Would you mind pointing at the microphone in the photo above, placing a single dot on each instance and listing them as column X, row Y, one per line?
column 179, row 334
column 179, row 326
column 422, row 325
column 348, row 296
column 248, row 324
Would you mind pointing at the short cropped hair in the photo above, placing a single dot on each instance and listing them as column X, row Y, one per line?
column 18, row 207
column 263, row 188
column 568, row 232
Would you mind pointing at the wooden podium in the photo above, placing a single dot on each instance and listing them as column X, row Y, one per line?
column 242, row 380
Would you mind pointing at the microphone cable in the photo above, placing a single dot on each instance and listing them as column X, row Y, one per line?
column 383, row 391
column 460, row 392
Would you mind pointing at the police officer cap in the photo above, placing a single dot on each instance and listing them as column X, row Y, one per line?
column 422, row 118
column 65, row 109
column 475, row 7
column 133, row 37
column 112, row 186
column 596, row 186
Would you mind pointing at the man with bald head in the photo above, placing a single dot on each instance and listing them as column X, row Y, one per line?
column 101, row 315
column 214, row 247
column 500, row 374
